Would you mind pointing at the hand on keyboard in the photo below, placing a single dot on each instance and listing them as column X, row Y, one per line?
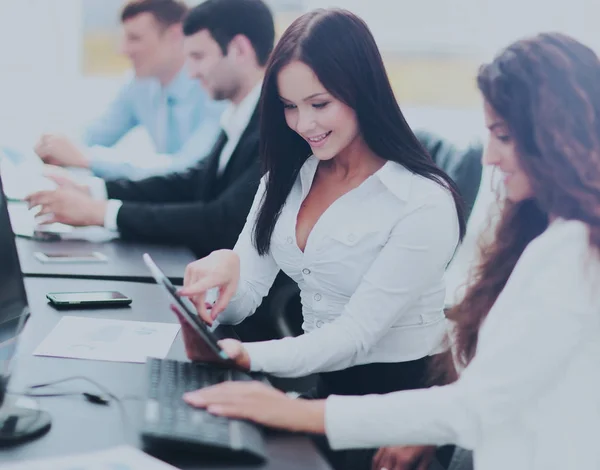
column 170, row 423
column 262, row 404
column 196, row 350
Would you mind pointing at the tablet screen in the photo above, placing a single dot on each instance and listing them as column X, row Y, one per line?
column 186, row 307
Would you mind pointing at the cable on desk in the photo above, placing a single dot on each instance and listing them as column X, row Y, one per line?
column 90, row 397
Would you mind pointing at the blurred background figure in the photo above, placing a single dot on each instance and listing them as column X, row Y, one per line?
column 176, row 112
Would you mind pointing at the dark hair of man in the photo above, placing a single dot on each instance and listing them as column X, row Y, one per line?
column 225, row 19
column 165, row 12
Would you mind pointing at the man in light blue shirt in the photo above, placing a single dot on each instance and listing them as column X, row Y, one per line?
column 178, row 115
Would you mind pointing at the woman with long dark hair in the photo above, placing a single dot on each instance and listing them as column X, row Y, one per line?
column 352, row 208
column 526, row 334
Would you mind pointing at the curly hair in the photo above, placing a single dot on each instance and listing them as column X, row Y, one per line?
column 547, row 90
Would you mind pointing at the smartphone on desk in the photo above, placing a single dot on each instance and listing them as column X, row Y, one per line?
column 46, row 236
column 88, row 299
column 91, row 257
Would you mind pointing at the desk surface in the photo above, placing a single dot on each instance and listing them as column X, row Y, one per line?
column 79, row 426
column 124, row 260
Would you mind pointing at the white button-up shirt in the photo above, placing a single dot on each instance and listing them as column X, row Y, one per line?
column 530, row 399
column 234, row 121
column 370, row 277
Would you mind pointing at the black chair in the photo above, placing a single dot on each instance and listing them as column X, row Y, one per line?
column 286, row 311
column 463, row 165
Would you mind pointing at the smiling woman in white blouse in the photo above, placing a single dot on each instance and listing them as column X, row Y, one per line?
column 352, row 208
column 528, row 329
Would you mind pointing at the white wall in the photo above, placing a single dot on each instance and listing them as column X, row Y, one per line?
column 509, row 20
column 40, row 36
column 41, row 88
column 39, row 52
column 474, row 27
column 415, row 26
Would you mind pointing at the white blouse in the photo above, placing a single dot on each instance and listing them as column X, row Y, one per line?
column 371, row 275
column 530, row 399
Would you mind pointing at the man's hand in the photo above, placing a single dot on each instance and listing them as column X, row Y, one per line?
column 403, row 458
column 59, row 150
column 64, row 179
column 68, row 206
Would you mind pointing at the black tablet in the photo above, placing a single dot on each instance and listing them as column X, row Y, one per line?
column 187, row 309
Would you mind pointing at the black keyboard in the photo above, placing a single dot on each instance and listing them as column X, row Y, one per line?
column 171, row 423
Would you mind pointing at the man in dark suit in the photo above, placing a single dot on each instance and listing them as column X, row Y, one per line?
column 227, row 44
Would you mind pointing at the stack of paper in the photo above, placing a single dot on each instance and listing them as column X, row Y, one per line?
column 116, row 458
column 23, row 224
column 19, row 181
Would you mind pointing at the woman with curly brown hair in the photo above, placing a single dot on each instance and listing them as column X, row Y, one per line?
column 527, row 334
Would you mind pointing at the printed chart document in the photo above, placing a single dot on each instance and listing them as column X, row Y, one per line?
column 108, row 340
column 116, row 458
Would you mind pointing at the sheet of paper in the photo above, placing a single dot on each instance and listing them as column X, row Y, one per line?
column 116, row 458
column 19, row 156
column 21, row 180
column 23, row 224
column 89, row 234
column 108, row 340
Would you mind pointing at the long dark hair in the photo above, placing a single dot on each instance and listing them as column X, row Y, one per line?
column 547, row 90
column 341, row 51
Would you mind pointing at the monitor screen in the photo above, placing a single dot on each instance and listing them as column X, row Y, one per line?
column 13, row 299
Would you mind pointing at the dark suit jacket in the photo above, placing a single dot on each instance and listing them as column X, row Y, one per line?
column 196, row 208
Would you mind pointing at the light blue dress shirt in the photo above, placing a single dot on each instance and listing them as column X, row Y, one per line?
column 191, row 125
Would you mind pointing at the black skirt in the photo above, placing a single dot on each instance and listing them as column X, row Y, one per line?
column 373, row 378
column 377, row 378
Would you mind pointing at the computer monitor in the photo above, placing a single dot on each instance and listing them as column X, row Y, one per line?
column 17, row 423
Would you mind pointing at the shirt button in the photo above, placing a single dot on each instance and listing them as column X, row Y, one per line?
column 319, row 324
column 306, row 271
column 290, row 240
column 318, row 297
column 351, row 237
